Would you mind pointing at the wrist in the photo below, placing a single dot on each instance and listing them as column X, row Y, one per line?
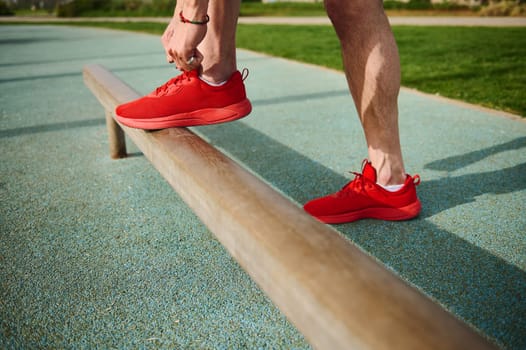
column 204, row 20
column 194, row 10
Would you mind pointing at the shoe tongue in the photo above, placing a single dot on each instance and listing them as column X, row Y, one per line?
column 369, row 172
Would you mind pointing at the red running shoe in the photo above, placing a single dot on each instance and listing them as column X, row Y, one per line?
column 186, row 100
column 364, row 198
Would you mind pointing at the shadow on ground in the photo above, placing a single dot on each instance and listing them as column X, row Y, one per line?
column 474, row 284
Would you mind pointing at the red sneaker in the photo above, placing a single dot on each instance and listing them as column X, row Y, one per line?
column 186, row 100
column 364, row 198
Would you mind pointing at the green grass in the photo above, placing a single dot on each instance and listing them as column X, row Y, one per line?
column 479, row 65
column 483, row 66
column 32, row 13
column 276, row 9
column 247, row 9
column 282, row 9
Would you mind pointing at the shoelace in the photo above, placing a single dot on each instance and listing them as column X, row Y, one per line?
column 355, row 185
column 163, row 89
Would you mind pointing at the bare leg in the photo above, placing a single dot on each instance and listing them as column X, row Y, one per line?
column 372, row 68
column 219, row 45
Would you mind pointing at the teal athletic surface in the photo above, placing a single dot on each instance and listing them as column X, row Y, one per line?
column 97, row 253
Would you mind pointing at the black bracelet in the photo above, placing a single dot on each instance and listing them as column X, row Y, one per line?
column 205, row 20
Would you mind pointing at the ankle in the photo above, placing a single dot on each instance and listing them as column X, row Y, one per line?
column 389, row 171
column 387, row 176
column 215, row 78
column 211, row 83
column 392, row 188
column 217, row 72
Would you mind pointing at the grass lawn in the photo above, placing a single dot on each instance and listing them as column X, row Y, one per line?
column 282, row 9
column 317, row 9
column 276, row 9
column 479, row 65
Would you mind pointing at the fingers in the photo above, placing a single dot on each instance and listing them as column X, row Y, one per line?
column 169, row 57
column 194, row 61
column 184, row 63
column 165, row 40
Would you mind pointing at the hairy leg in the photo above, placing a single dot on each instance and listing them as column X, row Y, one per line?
column 372, row 67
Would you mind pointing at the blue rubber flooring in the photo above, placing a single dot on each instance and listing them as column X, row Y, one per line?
column 97, row 253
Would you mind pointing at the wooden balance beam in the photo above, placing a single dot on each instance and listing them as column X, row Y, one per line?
column 335, row 294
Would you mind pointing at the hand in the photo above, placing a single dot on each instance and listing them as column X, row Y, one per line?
column 183, row 47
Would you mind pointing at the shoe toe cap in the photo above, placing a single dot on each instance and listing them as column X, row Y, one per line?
column 125, row 110
column 316, row 207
